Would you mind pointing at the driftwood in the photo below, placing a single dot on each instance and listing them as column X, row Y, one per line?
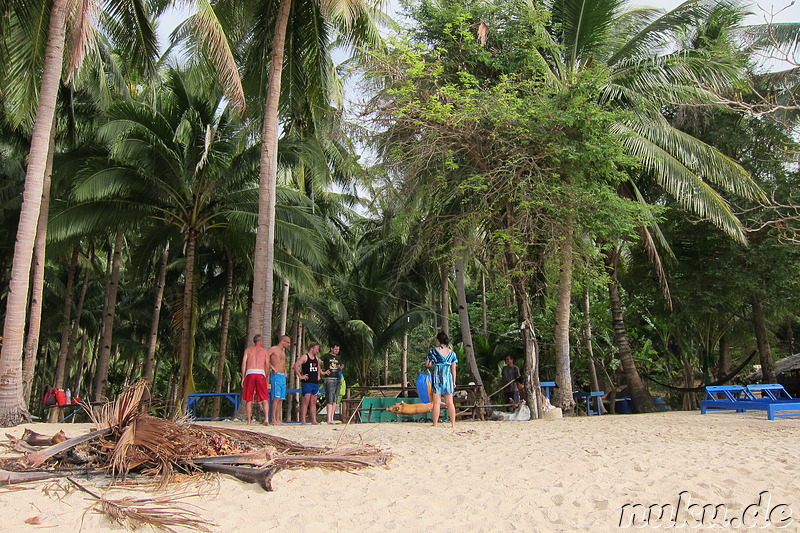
column 9, row 477
column 40, row 456
column 37, row 439
column 262, row 476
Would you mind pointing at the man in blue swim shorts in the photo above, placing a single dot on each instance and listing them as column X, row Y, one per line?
column 307, row 367
column 277, row 377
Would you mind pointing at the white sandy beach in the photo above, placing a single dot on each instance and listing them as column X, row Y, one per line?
column 574, row 474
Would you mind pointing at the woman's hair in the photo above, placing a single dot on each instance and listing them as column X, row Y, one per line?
column 442, row 338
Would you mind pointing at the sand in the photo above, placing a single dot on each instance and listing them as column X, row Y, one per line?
column 574, row 474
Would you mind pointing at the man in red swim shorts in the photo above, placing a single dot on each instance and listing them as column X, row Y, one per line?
column 255, row 366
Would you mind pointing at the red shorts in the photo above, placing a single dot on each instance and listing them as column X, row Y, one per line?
column 255, row 383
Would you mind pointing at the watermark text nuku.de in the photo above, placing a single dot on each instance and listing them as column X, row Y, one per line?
column 683, row 513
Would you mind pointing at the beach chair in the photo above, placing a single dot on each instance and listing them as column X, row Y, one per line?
column 726, row 398
column 741, row 399
column 771, row 391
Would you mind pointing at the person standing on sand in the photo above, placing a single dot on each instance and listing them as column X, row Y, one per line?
column 330, row 363
column 277, row 378
column 307, row 367
column 255, row 366
column 510, row 374
column 443, row 380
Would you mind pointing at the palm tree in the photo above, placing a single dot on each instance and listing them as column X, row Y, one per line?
column 54, row 39
column 296, row 36
column 174, row 166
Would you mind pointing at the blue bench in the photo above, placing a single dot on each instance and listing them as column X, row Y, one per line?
column 192, row 399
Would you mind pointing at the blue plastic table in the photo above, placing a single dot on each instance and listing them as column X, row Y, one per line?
column 548, row 386
column 588, row 397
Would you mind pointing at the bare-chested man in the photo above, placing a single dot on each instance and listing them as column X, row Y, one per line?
column 277, row 379
column 255, row 366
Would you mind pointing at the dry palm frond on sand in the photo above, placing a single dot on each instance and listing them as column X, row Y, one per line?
column 127, row 440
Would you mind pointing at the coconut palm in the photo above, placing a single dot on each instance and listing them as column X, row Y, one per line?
column 295, row 36
column 125, row 14
column 173, row 165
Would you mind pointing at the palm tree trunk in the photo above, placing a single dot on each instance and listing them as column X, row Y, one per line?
column 152, row 337
column 284, row 309
column 80, row 370
column 185, row 366
column 724, row 363
column 466, row 332
column 445, row 301
column 100, row 382
column 37, row 284
column 587, row 340
column 12, row 410
column 76, row 327
column 264, row 255
column 563, row 397
column 223, row 342
column 386, row 367
column 642, row 400
column 762, row 340
column 484, row 306
column 61, row 361
column 404, row 359
column 404, row 364
column 293, row 405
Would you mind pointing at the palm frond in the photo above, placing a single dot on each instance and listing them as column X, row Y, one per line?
column 206, row 35
column 679, row 163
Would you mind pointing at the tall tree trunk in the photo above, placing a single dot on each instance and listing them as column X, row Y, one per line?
column 484, row 306
column 404, row 359
column 61, row 358
column 587, row 340
column 530, row 371
column 445, row 299
column 563, row 397
column 762, row 340
column 641, row 398
column 152, row 337
column 466, row 332
column 264, row 256
column 80, row 370
column 386, row 367
column 689, row 398
column 63, row 346
column 76, row 327
column 186, row 353
column 724, row 363
column 223, row 342
column 37, row 283
column 100, row 382
column 293, row 405
column 284, row 309
column 12, row 410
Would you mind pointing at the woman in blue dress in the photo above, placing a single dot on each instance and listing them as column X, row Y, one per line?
column 443, row 382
